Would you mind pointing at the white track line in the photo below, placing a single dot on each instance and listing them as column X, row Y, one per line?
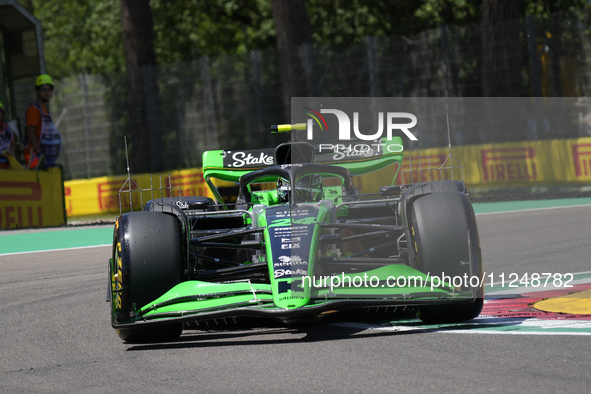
column 534, row 209
column 54, row 250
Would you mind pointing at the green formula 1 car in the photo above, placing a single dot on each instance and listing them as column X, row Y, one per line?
column 310, row 244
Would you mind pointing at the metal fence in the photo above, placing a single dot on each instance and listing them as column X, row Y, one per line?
column 230, row 101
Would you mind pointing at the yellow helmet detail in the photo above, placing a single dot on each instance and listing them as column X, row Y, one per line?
column 43, row 79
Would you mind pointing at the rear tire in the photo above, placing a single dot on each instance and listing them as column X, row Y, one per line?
column 444, row 234
column 148, row 262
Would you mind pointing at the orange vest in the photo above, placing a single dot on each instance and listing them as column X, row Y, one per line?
column 50, row 140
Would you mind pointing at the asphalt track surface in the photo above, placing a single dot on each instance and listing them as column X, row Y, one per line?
column 55, row 334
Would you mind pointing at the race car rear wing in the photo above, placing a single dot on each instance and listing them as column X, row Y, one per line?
column 359, row 157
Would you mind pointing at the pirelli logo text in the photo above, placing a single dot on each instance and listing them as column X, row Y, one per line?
column 108, row 196
column 20, row 204
column 424, row 169
column 68, row 197
column 509, row 164
column 191, row 184
column 582, row 160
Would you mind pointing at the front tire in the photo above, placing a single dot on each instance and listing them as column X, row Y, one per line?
column 148, row 262
column 445, row 239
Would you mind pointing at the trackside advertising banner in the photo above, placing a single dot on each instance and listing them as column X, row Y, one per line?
column 546, row 162
column 101, row 195
column 31, row 199
column 551, row 162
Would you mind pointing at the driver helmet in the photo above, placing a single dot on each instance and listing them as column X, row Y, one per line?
column 309, row 188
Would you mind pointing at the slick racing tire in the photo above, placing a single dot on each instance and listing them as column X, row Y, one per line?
column 148, row 262
column 440, row 186
column 445, row 239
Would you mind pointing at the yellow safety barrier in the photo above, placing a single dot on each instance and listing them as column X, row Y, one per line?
column 549, row 162
column 101, row 195
column 31, row 199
